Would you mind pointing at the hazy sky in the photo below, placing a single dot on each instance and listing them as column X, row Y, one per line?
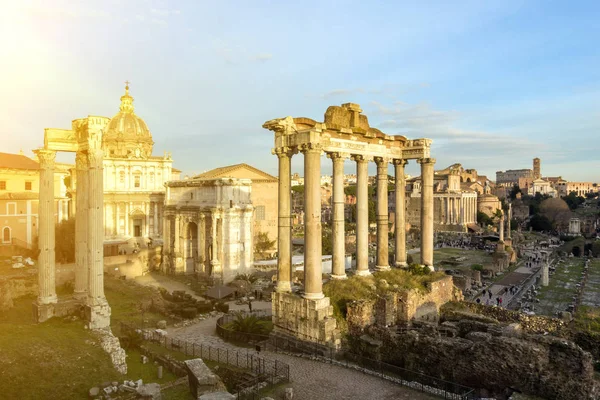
column 493, row 83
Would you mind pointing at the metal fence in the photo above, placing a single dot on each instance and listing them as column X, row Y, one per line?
column 324, row 352
column 267, row 372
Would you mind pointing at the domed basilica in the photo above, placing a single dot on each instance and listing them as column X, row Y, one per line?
column 133, row 178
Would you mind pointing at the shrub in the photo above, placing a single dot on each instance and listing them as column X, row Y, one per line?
column 477, row 267
column 249, row 324
column 189, row 312
column 223, row 307
column 418, row 269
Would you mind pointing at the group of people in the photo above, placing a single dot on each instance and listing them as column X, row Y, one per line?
column 486, row 296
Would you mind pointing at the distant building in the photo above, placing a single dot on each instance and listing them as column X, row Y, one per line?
column 264, row 195
column 580, row 188
column 542, row 187
column 455, row 207
column 19, row 195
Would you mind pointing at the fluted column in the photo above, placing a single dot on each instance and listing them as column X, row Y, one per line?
column 362, row 216
column 383, row 262
column 427, row 211
column 95, row 229
column 501, row 227
column 155, row 219
column 400, row 235
column 338, row 269
column 46, row 266
column 313, row 281
column 284, row 219
column 201, row 239
column 81, row 239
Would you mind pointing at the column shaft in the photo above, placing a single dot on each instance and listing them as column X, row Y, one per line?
column 81, row 248
column 382, row 215
column 95, row 229
column 313, row 281
column 284, row 228
column 338, row 269
column 362, row 216
column 46, row 263
column 427, row 211
column 400, row 235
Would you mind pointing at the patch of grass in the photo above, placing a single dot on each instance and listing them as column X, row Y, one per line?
column 178, row 392
column 588, row 318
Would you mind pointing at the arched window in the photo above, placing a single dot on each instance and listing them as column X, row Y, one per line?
column 122, row 177
column 6, row 235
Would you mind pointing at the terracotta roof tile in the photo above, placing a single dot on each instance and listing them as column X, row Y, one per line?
column 17, row 161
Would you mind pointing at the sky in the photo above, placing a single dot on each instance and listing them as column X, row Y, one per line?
column 492, row 83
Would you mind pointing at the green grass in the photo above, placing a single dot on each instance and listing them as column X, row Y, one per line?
column 178, row 392
column 588, row 318
column 60, row 359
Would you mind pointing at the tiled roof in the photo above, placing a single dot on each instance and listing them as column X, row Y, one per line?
column 223, row 171
column 17, row 161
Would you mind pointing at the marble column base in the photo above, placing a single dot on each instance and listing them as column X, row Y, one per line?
column 382, row 267
column 431, row 268
column 339, row 277
column 364, row 272
column 313, row 296
column 401, row 264
column 42, row 312
column 98, row 316
column 283, row 287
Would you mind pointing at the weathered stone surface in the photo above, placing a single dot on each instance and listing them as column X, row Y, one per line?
column 217, row 396
column 150, row 391
column 95, row 391
column 201, row 379
column 161, row 324
column 545, row 366
column 111, row 345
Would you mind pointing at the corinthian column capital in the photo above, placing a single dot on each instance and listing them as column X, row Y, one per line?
column 337, row 156
column 399, row 161
column 46, row 158
column 284, row 151
column 81, row 161
column 426, row 160
column 381, row 161
column 310, row 147
column 95, row 157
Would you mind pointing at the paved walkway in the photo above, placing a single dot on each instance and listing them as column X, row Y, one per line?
column 159, row 280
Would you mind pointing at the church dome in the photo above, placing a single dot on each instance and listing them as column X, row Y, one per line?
column 127, row 135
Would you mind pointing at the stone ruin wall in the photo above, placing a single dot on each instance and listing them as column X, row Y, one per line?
column 402, row 306
column 491, row 357
column 12, row 288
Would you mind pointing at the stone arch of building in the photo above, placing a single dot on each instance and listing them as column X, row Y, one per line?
column 190, row 246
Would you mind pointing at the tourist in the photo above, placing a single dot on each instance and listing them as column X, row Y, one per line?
column 478, row 301
column 250, row 305
column 500, row 302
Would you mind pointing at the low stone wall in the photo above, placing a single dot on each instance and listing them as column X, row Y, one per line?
column 402, row 306
column 495, row 358
column 529, row 323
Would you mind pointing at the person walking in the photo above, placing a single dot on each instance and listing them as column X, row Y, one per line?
column 250, row 305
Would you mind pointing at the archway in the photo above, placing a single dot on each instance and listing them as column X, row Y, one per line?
column 6, row 236
column 190, row 247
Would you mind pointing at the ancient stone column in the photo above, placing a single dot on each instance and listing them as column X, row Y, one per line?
column 284, row 218
column 46, row 266
column 167, row 235
column 382, row 215
column 427, row 211
column 99, row 311
column 545, row 274
column 176, row 244
column 81, row 231
column 509, row 218
column 400, row 235
column 362, row 216
column 201, row 237
column 214, row 262
column 501, row 227
column 313, row 281
column 338, row 270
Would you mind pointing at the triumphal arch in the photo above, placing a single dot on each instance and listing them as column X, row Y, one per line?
column 345, row 134
column 85, row 140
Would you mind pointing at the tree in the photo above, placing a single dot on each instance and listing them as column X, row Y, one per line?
column 65, row 243
column 540, row 223
column 573, row 200
column 514, row 191
column 326, row 242
column 557, row 211
column 262, row 244
column 298, row 189
column 483, row 219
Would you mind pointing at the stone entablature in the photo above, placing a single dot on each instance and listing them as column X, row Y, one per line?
column 208, row 227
